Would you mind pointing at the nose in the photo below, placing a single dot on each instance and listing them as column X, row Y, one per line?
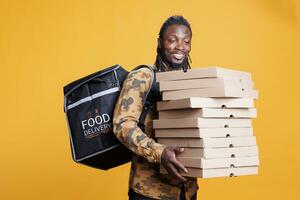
column 179, row 45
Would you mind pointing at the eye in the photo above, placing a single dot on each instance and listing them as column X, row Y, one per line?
column 171, row 40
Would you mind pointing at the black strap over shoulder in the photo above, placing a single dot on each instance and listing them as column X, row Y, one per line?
column 152, row 96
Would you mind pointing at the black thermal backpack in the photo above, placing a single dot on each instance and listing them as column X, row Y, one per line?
column 89, row 106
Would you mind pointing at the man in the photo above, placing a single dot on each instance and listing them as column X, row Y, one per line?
column 145, row 182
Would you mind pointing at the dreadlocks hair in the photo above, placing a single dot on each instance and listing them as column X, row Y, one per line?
column 160, row 63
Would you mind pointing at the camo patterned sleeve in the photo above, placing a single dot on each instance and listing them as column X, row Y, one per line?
column 127, row 113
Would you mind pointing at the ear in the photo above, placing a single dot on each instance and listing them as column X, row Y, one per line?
column 159, row 43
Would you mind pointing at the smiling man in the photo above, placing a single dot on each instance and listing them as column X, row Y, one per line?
column 145, row 181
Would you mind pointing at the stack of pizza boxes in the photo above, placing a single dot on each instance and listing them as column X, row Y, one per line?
column 208, row 112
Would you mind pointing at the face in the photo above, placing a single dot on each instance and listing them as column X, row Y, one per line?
column 176, row 44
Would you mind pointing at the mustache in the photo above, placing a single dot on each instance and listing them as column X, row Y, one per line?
column 179, row 52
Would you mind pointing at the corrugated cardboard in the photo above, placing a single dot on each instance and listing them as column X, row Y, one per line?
column 198, row 102
column 227, row 152
column 201, row 123
column 221, row 172
column 197, row 162
column 204, row 83
column 207, row 72
column 209, row 142
column 208, row 113
column 203, row 132
column 211, row 92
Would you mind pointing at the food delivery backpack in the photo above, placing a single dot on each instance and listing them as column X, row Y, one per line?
column 89, row 106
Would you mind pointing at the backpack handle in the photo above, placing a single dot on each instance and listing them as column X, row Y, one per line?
column 151, row 96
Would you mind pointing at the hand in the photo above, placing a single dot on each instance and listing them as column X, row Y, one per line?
column 171, row 164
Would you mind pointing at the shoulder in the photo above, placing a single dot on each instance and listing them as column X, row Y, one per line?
column 142, row 73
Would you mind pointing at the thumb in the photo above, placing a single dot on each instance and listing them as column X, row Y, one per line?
column 178, row 150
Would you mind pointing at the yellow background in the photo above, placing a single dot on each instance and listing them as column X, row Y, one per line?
column 46, row 44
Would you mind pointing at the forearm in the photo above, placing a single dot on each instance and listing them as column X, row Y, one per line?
column 137, row 141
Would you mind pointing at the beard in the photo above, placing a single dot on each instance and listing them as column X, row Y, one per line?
column 175, row 66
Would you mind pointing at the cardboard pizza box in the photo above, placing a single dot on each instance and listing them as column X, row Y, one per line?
column 204, row 83
column 237, row 92
column 220, row 172
column 207, row 72
column 198, row 162
column 209, row 142
column 209, row 153
column 203, row 132
column 199, row 102
column 208, row 113
column 201, row 123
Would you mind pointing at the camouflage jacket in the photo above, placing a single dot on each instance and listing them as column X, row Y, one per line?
column 145, row 178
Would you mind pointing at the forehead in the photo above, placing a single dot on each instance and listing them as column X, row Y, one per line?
column 177, row 30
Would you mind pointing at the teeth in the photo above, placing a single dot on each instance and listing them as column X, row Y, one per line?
column 178, row 56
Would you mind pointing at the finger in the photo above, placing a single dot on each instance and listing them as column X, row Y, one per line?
column 176, row 173
column 178, row 165
column 169, row 170
column 178, row 150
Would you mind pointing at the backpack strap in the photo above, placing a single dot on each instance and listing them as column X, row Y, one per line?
column 152, row 96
